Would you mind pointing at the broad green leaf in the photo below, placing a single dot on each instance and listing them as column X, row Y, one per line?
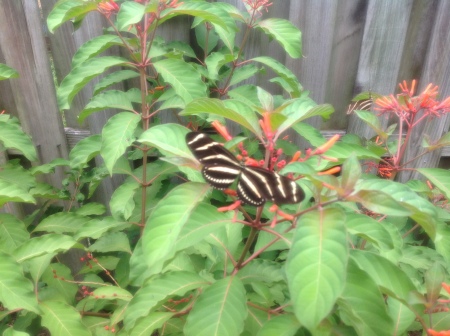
column 261, row 270
column 369, row 229
column 215, row 61
column 7, row 72
column 85, row 150
column 281, row 325
column 66, row 289
column 363, row 305
column 310, row 133
column 169, row 139
column 391, row 279
column 13, row 136
column 217, row 107
column 242, row 73
column 439, row 177
column 282, row 71
column 62, row 319
column 165, row 223
column 401, row 314
column 422, row 211
column 183, row 78
column 93, row 47
column 154, row 291
column 373, row 122
column 296, row 111
column 14, row 174
column 13, row 233
column 66, row 10
column 442, row 241
column 112, row 242
column 246, row 94
column 316, row 265
column 16, row 291
column 197, row 9
column 38, row 246
column 150, row 323
column 341, row 150
column 90, row 209
column 113, row 99
column 205, row 219
column 12, row 332
column 220, row 310
column 122, row 201
column 96, row 228
column 12, row 193
column 83, row 74
column 49, row 167
column 379, row 202
column 62, row 222
column 113, row 78
column 285, row 33
column 117, row 135
column 351, row 172
column 129, row 14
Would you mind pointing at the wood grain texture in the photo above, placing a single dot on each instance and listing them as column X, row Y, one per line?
column 381, row 53
column 23, row 47
column 437, row 71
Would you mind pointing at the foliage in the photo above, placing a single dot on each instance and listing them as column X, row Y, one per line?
column 361, row 255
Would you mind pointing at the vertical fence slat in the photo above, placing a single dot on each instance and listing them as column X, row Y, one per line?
column 437, row 71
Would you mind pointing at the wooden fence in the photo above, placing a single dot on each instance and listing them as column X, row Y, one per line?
column 349, row 46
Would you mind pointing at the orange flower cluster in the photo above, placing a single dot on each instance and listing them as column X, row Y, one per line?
column 406, row 105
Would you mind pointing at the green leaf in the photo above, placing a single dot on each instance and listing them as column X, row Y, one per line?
column 285, row 33
column 85, row 150
column 391, row 279
column 11, row 193
column 38, row 246
column 13, row 233
column 156, row 290
column 363, row 305
column 197, row 9
column 217, row 107
column 310, row 133
column 122, row 201
column 205, row 219
column 165, row 222
column 421, row 210
column 439, row 177
column 316, row 265
column 183, row 77
column 113, row 99
column 129, row 14
column 12, row 332
column 401, row 314
column 62, row 222
column 62, row 319
column 96, row 228
column 6, row 72
column 379, row 202
column 65, row 10
column 117, row 135
column 351, row 172
column 16, row 291
column 66, row 289
column 281, row 325
column 261, row 270
column 90, row 209
column 215, row 61
column 169, row 139
column 242, row 73
column 12, row 136
column 147, row 325
column 370, row 230
column 220, row 310
column 341, row 150
column 281, row 70
column 297, row 110
column 83, row 74
column 114, row 78
column 373, row 122
column 14, row 174
column 93, row 47
column 116, row 241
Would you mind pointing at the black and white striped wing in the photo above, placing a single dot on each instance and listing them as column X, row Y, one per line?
column 258, row 185
column 220, row 167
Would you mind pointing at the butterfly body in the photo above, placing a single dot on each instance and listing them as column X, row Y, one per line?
column 255, row 185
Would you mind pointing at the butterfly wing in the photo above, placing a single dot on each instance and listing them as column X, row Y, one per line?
column 257, row 185
column 220, row 167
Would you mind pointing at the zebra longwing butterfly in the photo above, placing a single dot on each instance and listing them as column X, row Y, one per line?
column 255, row 185
column 361, row 103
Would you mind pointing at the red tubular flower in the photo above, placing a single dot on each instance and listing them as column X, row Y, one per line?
column 432, row 332
column 222, row 130
column 108, row 8
column 258, row 5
